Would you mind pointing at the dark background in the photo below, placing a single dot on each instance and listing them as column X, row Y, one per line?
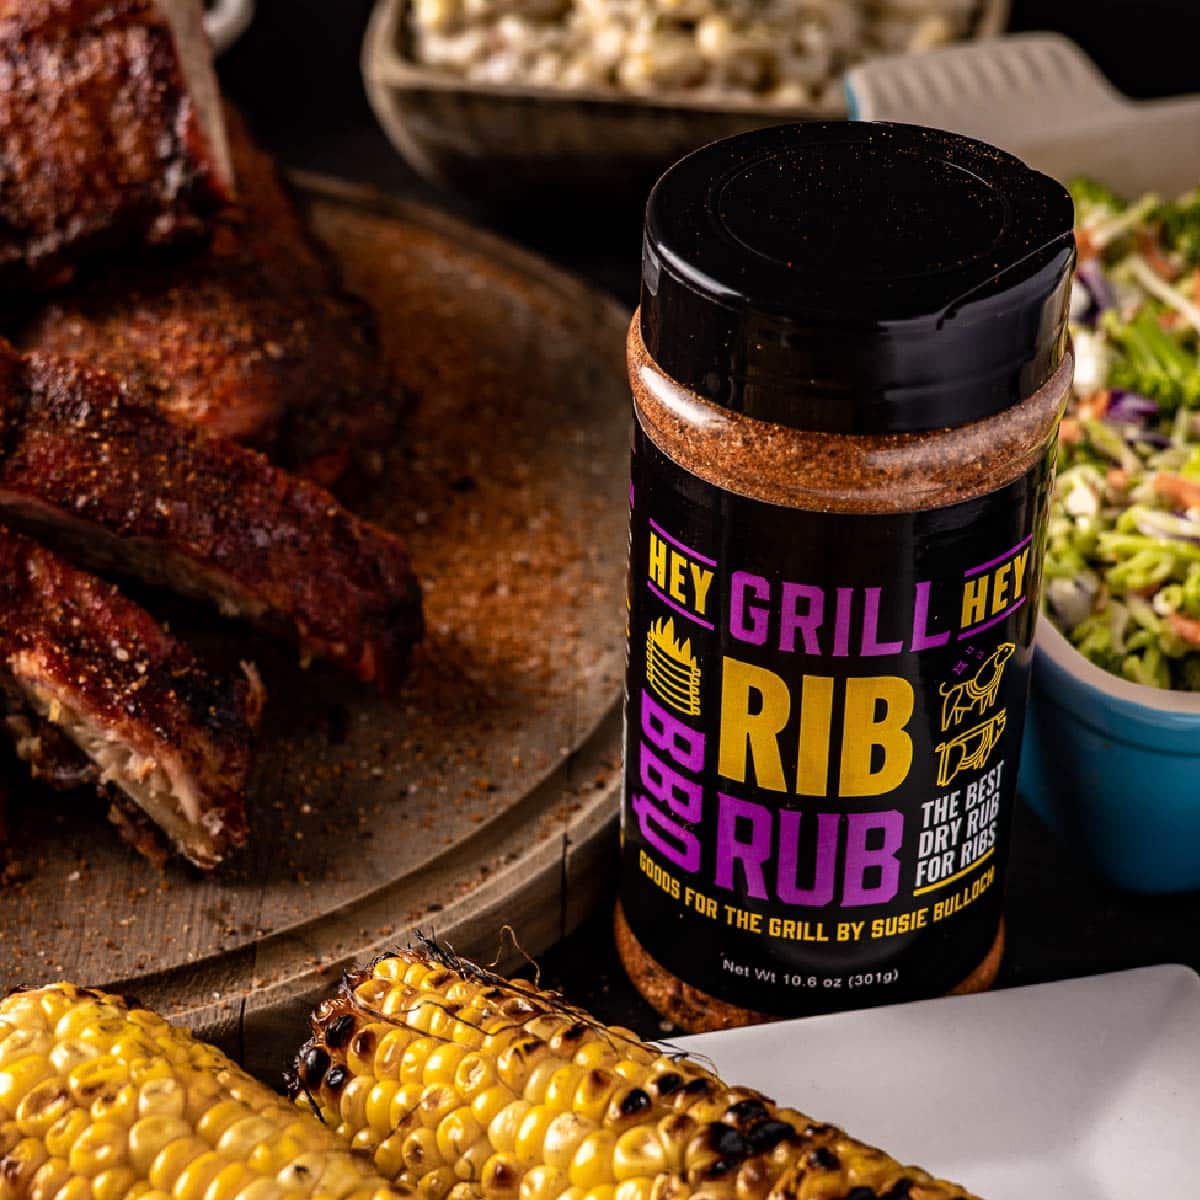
column 295, row 75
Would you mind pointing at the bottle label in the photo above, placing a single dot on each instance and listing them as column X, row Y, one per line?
column 823, row 719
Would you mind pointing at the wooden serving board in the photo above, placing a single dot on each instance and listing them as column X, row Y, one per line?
column 485, row 794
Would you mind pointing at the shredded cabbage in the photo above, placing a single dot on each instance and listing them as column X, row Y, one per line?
column 1123, row 544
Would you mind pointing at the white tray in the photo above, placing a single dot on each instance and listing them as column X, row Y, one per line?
column 1083, row 1090
column 1040, row 97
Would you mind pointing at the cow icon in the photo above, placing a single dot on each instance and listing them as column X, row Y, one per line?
column 974, row 696
column 969, row 750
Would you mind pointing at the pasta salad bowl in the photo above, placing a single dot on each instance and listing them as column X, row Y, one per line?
column 535, row 142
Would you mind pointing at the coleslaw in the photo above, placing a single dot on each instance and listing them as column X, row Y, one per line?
column 1123, row 550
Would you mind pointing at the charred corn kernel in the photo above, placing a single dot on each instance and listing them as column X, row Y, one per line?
column 269, row 1158
column 675, row 1132
column 394, row 1004
column 379, row 1106
column 557, row 1107
column 201, row 1094
column 422, row 1017
column 592, row 1165
column 543, row 1183
column 539, row 1079
column 101, row 1146
column 162, row 1097
column 49, row 1178
column 64, row 1056
column 563, row 1085
column 76, row 1188
column 420, row 1151
column 501, row 1178
column 606, row 1192
column 531, row 1135
column 70, row 1024
column 132, row 1047
column 103, row 1032
column 596, row 1054
column 389, row 1055
column 474, row 1074
column 353, row 1108
column 227, row 1182
column 19, row 1078
column 389, row 1156
column 442, row 1063
column 100, row 1076
column 21, row 1164
column 240, row 1139
column 64, row 1133
column 502, row 1131
column 490, row 1102
column 218, row 1119
column 120, row 1106
column 18, row 1043
column 563, row 1136
column 517, row 1061
column 469, row 1166
column 595, row 1090
column 41, row 1106
column 113, row 1104
column 437, row 1103
column 635, row 1189
column 402, row 1111
column 442, row 1024
column 360, row 1050
column 194, row 1179
column 10, row 1135
column 457, row 1134
column 113, row 1184
column 436, row 1185
column 149, row 1137
column 412, row 1065
column 638, row 1152
column 304, row 1171
column 171, row 1161
column 262, row 1189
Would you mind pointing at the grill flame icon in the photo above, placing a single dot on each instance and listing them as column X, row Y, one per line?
column 671, row 668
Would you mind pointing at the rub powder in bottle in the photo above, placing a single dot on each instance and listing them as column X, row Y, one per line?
column 848, row 371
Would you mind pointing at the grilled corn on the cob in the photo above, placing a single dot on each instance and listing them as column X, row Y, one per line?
column 103, row 1101
column 464, row 1085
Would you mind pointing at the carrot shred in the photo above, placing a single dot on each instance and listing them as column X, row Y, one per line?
column 1188, row 628
column 1181, row 492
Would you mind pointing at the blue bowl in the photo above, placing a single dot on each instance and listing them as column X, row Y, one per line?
column 1114, row 768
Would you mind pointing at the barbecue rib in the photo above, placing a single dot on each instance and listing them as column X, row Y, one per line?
column 252, row 334
column 116, row 485
column 95, row 690
column 110, row 132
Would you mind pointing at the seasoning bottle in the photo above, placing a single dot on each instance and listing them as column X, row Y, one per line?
column 848, row 370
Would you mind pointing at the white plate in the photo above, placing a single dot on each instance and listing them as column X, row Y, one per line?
column 1082, row 1090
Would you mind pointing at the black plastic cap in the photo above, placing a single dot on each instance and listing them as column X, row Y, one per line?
column 854, row 277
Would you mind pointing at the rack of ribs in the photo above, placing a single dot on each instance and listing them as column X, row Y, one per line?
column 114, row 485
column 95, row 690
column 253, row 338
column 110, row 133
